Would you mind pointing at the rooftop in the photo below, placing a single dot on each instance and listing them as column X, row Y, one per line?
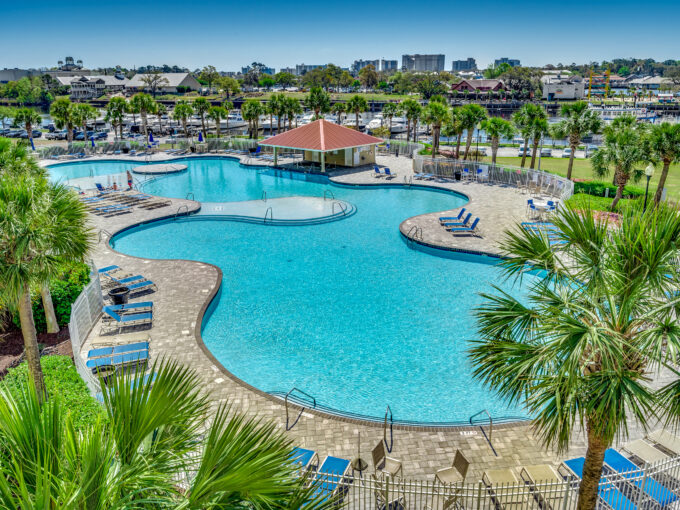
column 322, row 136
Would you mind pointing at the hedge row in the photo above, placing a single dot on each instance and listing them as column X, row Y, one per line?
column 598, row 189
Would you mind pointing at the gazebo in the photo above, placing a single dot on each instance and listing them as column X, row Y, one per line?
column 326, row 142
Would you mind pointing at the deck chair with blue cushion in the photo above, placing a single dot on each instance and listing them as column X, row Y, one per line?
column 377, row 172
column 471, row 230
column 114, row 321
column 102, row 190
column 100, row 396
column 306, row 459
column 609, row 494
column 389, row 174
column 423, row 176
column 444, row 219
column 652, row 489
column 109, row 269
column 142, row 306
column 116, row 359
column 146, row 285
column 454, row 224
column 331, row 476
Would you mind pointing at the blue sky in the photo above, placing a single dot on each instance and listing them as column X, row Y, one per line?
column 228, row 35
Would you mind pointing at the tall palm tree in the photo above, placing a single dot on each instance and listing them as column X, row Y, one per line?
column 523, row 120
column 202, row 107
column 471, row 116
column 539, row 128
column 389, row 111
column 61, row 112
column 7, row 113
column 27, row 117
column 412, row 110
column 578, row 123
column 293, row 109
column 228, row 106
column 183, row 110
column 319, row 101
column 435, row 114
column 357, row 104
column 82, row 114
column 217, row 113
column 158, row 448
column 338, row 109
column 251, row 111
column 143, row 104
column 663, row 145
column 454, row 127
column 579, row 350
column 159, row 110
column 115, row 113
column 622, row 150
column 277, row 106
column 497, row 128
column 133, row 109
column 44, row 225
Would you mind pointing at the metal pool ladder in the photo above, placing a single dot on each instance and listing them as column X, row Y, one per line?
column 489, row 436
column 104, row 232
column 342, row 207
column 417, row 233
column 190, row 194
column 264, row 196
column 388, row 412
column 270, row 213
column 285, row 401
column 328, row 192
column 180, row 208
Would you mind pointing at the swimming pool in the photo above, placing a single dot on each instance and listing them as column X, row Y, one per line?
column 345, row 311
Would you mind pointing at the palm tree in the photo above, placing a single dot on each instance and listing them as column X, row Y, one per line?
column 523, row 120
column 217, row 113
column 454, row 127
column 131, row 108
column 202, row 107
column 228, row 106
column 471, row 116
column 8, row 113
column 389, row 111
column 28, row 118
column 82, row 114
column 293, row 108
column 435, row 114
column 338, row 109
column 357, row 104
column 578, row 123
column 160, row 110
column 580, row 349
column 277, row 105
column 663, row 145
column 251, row 111
column 143, row 104
column 183, row 110
column 497, row 128
column 319, row 101
column 622, row 150
column 61, row 112
column 44, row 226
column 411, row 109
column 158, row 448
column 539, row 128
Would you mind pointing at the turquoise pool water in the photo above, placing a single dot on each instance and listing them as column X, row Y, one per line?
column 345, row 311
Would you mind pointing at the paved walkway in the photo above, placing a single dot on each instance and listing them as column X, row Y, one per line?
column 186, row 287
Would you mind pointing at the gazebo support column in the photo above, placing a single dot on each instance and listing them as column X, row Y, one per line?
column 276, row 161
column 323, row 162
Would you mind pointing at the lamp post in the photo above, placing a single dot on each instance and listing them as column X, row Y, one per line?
column 649, row 171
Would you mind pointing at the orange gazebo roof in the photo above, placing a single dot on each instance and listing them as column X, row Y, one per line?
column 322, row 136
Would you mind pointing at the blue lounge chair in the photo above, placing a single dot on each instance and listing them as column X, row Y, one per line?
column 444, row 219
column 100, row 396
column 116, row 321
column 426, row 177
column 331, row 474
column 108, row 269
column 145, row 285
column 609, row 494
column 454, row 224
column 305, row 458
column 653, row 489
column 142, row 306
column 102, row 190
column 377, row 172
column 389, row 174
column 471, row 230
column 118, row 359
column 125, row 281
column 118, row 349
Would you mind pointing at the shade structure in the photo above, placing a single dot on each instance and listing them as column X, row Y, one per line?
column 321, row 136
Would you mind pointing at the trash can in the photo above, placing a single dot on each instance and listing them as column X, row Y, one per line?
column 119, row 295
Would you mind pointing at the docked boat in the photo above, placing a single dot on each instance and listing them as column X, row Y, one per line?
column 235, row 121
column 350, row 122
column 609, row 113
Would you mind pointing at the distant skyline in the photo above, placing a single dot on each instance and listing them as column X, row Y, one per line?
column 231, row 35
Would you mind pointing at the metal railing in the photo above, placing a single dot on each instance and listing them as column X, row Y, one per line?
column 661, row 483
column 85, row 313
column 488, row 436
column 504, row 175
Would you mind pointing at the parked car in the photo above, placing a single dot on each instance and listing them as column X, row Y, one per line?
column 591, row 149
column 57, row 135
column 3, row 132
column 566, row 153
column 14, row 134
column 101, row 136
column 546, row 152
column 521, row 151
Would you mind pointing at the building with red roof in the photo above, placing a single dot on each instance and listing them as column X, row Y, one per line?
column 327, row 143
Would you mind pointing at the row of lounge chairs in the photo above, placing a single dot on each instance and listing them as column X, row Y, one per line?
column 117, row 356
column 386, row 172
column 460, row 225
column 110, row 202
column 117, row 317
column 135, row 283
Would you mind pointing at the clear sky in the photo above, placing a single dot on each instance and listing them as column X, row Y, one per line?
column 228, row 35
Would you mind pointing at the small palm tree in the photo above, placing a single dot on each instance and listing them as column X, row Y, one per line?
column 454, row 127
column 578, row 123
column 471, row 116
column 251, row 111
column 319, row 101
column 523, row 120
column 622, row 150
column 435, row 114
column 183, row 110
column 497, row 128
column 143, row 104
column 61, row 112
column 158, row 448
column 579, row 351
column 357, row 104
column 412, row 110
column 338, row 109
column 27, row 117
column 663, row 145
column 115, row 113
column 44, row 225
column 539, row 128
column 217, row 113
column 389, row 111
column 160, row 110
column 202, row 107
column 82, row 114
column 293, row 109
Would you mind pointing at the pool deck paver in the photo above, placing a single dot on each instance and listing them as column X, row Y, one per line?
column 186, row 287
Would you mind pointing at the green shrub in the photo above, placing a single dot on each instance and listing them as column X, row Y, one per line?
column 597, row 203
column 63, row 382
column 65, row 289
column 598, row 188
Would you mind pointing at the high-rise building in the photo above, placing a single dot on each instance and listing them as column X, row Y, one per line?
column 388, row 65
column 358, row 65
column 422, row 62
column 468, row 64
column 512, row 62
column 302, row 69
column 262, row 70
